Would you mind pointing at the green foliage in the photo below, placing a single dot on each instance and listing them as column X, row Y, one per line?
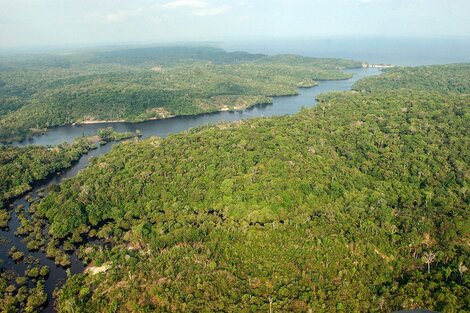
column 15, row 255
column 109, row 134
column 19, row 297
column 441, row 78
column 20, row 167
column 4, row 218
column 141, row 84
column 36, row 299
column 338, row 208
column 35, row 272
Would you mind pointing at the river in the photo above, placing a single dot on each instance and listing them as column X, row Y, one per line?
column 161, row 128
column 57, row 275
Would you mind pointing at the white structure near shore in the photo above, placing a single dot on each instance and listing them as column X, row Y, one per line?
column 366, row 65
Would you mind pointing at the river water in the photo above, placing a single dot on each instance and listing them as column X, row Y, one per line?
column 57, row 275
column 280, row 106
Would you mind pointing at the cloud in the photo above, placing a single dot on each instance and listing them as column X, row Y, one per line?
column 116, row 17
column 185, row 4
column 191, row 7
column 197, row 7
column 211, row 11
column 370, row 1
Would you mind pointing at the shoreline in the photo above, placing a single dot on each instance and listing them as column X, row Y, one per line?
column 92, row 122
column 77, row 266
column 89, row 122
column 7, row 142
column 13, row 142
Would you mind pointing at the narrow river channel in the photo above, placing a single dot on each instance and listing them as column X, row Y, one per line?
column 57, row 275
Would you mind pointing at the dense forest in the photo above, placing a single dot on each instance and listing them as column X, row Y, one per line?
column 46, row 90
column 442, row 78
column 359, row 204
column 20, row 169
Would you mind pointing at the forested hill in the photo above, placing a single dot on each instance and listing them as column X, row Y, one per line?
column 46, row 90
column 159, row 55
column 170, row 56
column 442, row 78
column 357, row 205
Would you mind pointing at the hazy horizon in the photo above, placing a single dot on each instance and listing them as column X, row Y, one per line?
column 71, row 23
column 404, row 51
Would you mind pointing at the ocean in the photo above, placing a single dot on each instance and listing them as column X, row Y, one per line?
column 396, row 51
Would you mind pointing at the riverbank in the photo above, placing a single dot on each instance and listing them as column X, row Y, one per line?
column 261, row 185
column 280, row 106
column 20, row 206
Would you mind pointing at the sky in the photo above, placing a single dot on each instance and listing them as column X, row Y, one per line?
column 36, row 23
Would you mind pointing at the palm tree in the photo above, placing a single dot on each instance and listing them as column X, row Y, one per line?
column 462, row 270
column 428, row 258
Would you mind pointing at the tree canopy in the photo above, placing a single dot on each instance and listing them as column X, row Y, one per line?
column 358, row 204
column 46, row 90
column 441, row 78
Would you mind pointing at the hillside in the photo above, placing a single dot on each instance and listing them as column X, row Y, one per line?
column 41, row 91
column 441, row 78
column 359, row 204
